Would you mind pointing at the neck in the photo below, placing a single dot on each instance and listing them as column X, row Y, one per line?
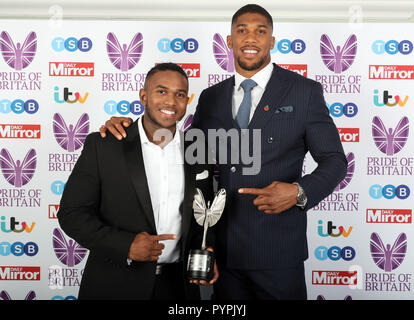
column 249, row 73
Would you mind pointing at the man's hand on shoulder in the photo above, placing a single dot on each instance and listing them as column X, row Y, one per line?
column 116, row 126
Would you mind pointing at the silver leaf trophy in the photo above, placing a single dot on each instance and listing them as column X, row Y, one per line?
column 201, row 262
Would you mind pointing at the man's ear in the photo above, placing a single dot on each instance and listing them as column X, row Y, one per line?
column 143, row 97
column 229, row 42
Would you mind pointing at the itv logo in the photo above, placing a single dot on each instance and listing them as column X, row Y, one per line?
column 389, row 100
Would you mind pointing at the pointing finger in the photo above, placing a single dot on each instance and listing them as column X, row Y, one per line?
column 162, row 237
column 254, row 191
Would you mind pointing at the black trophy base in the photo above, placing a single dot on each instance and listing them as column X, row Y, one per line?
column 200, row 265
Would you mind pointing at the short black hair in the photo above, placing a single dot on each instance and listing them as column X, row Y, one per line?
column 252, row 8
column 166, row 66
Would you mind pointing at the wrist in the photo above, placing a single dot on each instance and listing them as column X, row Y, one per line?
column 301, row 198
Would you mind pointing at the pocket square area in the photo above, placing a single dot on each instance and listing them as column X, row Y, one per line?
column 202, row 175
column 284, row 109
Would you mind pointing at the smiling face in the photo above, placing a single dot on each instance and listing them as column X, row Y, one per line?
column 165, row 100
column 251, row 40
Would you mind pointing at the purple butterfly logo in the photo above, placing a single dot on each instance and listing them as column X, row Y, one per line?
column 390, row 141
column 70, row 138
column 386, row 257
column 5, row 296
column 222, row 54
column 18, row 56
column 187, row 122
column 124, row 58
column 18, row 173
column 69, row 252
column 349, row 172
column 337, row 59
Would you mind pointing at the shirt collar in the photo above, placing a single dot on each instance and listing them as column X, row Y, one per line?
column 261, row 78
column 144, row 139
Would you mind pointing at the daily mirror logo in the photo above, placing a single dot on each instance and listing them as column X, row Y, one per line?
column 71, row 69
column 389, row 216
column 391, row 72
column 20, row 131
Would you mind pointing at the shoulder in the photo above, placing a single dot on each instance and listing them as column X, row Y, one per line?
column 94, row 140
column 218, row 87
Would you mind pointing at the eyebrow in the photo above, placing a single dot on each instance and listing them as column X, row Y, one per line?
column 164, row 87
column 245, row 25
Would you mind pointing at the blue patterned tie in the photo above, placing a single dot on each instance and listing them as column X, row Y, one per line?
column 243, row 114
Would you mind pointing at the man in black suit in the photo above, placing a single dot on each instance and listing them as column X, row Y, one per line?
column 123, row 199
column 261, row 241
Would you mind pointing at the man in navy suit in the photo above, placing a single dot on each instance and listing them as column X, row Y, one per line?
column 261, row 241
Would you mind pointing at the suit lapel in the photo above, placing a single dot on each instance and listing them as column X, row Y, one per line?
column 136, row 168
column 187, row 207
column 225, row 100
column 275, row 92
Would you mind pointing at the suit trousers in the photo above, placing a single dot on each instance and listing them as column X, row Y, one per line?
column 169, row 285
column 268, row 284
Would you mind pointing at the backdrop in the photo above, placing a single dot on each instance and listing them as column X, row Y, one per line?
column 59, row 83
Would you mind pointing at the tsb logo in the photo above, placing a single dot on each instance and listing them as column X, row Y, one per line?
column 389, row 191
column 18, row 106
column 124, row 107
column 71, row 44
column 285, row 46
column 334, row 253
column 178, row 45
column 338, row 109
column 57, row 187
column 392, row 47
column 18, row 249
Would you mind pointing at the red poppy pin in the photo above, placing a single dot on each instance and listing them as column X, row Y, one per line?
column 266, row 108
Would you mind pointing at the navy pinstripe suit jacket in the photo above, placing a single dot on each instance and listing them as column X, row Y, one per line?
column 293, row 119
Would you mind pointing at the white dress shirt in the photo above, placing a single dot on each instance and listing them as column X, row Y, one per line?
column 164, row 168
column 261, row 78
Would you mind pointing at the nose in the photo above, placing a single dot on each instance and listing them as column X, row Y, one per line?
column 250, row 37
column 170, row 99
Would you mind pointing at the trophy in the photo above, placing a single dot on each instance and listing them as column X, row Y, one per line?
column 200, row 264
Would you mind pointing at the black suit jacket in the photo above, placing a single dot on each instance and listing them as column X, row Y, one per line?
column 293, row 119
column 106, row 202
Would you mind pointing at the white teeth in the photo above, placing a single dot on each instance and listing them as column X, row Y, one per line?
column 250, row 51
column 167, row 112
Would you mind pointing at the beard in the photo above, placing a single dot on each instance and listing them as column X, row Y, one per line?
column 253, row 67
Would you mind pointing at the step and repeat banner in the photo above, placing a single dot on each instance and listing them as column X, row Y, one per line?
column 58, row 83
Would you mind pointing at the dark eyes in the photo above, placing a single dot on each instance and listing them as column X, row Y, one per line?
column 259, row 31
column 178, row 94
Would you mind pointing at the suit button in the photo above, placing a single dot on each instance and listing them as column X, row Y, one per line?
column 270, row 140
column 233, row 169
